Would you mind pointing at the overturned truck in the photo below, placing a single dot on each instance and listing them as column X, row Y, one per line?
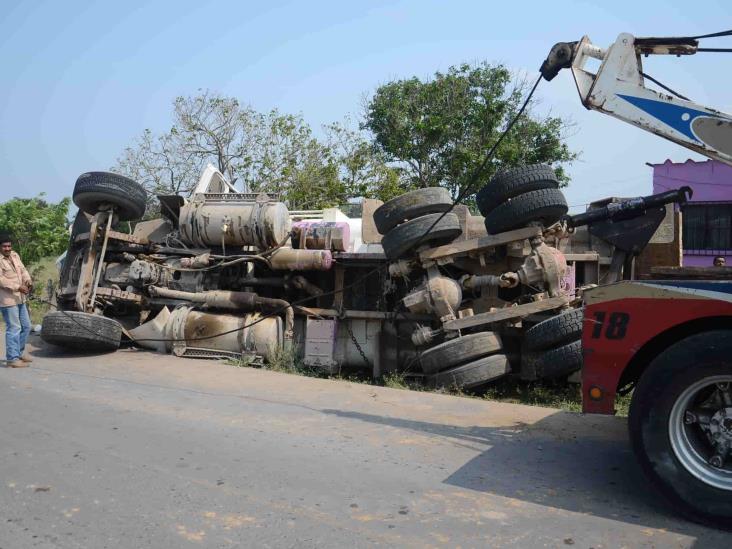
column 415, row 285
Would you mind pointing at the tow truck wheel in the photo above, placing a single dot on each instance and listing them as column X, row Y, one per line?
column 545, row 206
column 681, row 426
column 95, row 191
column 411, row 205
column 81, row 331
column 458, row 351
column 513, row 182
column 403, row 238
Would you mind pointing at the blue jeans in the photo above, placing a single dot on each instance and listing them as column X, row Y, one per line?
column 17, row 328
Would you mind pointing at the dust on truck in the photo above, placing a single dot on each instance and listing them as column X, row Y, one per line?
column 421, row 286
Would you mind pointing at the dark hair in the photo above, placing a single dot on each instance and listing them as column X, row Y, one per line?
column 719, row 257
column 5, row 237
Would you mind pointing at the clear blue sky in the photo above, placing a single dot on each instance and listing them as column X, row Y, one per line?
column 80, row 80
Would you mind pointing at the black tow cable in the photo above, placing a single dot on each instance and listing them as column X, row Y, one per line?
column 468, row 190
column 712, row 35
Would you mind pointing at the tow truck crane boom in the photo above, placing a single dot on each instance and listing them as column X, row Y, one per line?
column 618, row 89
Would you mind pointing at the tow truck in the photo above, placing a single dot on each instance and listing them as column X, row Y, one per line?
column 670, row 341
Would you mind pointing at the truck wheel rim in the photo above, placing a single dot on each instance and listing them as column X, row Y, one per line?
column 700, row 430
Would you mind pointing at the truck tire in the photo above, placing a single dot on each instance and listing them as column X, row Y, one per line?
column 471, row 375
column 402, row 238
column 546, row 206
column 81, row 331
column 553, row 363
column 94, row 190
column 555, row 331
column 411, row 205
column 458, row 351
column 513, row 182
column 674, row 449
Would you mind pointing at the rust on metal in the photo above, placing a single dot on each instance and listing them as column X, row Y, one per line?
column 86, row 275
column 352, row 313
column 465, row 247
column 509, row 313
column 287, row 259
column 123, row 237
column 118, row 295
column 115, row 235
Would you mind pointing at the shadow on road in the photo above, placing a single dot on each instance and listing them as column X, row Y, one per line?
column 548, row 463
column 45, row 350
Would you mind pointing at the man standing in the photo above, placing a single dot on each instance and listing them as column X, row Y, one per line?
column 15, row 285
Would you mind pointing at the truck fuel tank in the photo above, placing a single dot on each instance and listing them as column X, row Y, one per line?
column 234, row 219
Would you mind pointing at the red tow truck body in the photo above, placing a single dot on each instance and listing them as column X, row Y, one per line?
column 628, row 323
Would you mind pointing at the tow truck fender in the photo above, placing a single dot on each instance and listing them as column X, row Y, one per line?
column 628, row 323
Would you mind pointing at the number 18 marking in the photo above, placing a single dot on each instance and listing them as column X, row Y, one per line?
column 617, row 325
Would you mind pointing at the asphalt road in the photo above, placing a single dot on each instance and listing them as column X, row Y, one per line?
column 134, row 449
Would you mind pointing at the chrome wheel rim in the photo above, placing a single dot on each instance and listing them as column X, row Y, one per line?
column 695, row 441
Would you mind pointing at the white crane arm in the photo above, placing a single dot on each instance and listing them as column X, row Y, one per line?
column 618, row 89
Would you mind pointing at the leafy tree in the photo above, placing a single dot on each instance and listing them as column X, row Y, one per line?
column 288, row 160
column 269, row 152
column 38, row 227
column 363, row 168
column 439, row 130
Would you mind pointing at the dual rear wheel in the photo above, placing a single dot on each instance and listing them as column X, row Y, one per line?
column 553, row 348
column 418, row 217
column 465, row 362
column 513, row 199
column 521, row 196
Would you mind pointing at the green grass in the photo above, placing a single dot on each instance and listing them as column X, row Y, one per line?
column 564, row 396
column 559, row 394
column 283, row 360
column 396, row 380
column 286, row 360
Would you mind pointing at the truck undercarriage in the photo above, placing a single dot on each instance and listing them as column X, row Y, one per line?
column 416, row 285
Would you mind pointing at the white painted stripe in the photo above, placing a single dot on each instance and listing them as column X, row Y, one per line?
column 702, row 294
